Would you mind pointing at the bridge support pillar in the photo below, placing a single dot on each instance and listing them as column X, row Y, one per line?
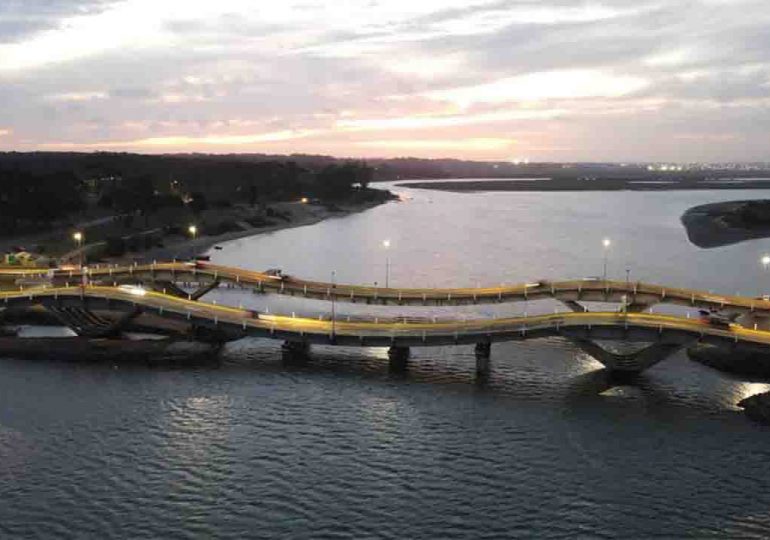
column 300, row 348
column 483, row 352
column 629, row 363
column 399, row 358
column 206, row 334
column 575, row 306
column 204, row 289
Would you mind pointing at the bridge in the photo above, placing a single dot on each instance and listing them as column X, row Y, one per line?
column 635, row 296
column 100, row 306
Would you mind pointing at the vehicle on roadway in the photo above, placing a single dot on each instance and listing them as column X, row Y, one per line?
column 276, row 273
column 715, row 318
column 133, row 289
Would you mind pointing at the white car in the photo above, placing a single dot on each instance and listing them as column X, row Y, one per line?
column 133, row 289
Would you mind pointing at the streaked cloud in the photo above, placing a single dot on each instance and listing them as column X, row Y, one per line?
column 667, row 79
column 442, row 144
column 435, row 121
column 78, row 96
column 180, row 141
column 566, row 84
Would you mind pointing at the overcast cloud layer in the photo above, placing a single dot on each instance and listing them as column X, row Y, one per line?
column 611, row 80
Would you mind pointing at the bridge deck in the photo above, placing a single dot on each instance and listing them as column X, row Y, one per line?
column 636, row 294
column 594, row 325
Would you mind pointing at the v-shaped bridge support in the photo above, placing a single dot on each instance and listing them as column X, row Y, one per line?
column 632, row 362
column 633, row 307
column 173, row 289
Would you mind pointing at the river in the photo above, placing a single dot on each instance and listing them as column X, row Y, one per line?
column 339, row 447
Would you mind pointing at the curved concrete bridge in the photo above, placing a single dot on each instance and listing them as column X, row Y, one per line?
column 662, row 334
column 635, row 296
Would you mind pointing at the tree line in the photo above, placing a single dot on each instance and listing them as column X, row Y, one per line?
column 41, row 188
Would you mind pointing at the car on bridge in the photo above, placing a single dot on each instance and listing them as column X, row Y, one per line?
column 716, row 318
column 277, row 273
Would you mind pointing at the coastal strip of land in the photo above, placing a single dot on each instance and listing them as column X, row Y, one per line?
column 109, row 240
column 589, row 184
column 299, row 215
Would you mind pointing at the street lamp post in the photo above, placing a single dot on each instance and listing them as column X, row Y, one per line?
column 628, row 288
column 334, row 313
column 193, row 230
column 386, row 245
column 606, row 243
column 78, row 237
column 765, row 262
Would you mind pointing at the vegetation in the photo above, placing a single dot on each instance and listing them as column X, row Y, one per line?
column 39, row 190
column 754, row 213
column 33, row 201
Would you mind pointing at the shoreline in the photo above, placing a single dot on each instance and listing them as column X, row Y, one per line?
column 183, row 248
column 167, row 238
column 576, row 184
column 187, row 249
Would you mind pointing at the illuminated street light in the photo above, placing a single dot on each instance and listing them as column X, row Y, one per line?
column 334, row 315
column 78, row 237
column 303, row 200
column 766, row 261
column 193, row 230
column 606, row 243
column 386, row 245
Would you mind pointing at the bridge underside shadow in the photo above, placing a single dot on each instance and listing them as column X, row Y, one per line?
column 85, row 323
column 634, row 362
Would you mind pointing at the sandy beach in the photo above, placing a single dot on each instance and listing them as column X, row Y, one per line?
column 301, row 215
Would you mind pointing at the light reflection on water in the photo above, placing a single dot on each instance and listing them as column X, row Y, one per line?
column 547, row 445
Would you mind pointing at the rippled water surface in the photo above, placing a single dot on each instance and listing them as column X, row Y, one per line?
column 336, row 446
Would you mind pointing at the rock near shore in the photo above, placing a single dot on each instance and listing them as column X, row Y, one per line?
column 757, row 407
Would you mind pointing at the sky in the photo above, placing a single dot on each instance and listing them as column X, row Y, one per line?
column 539, row 80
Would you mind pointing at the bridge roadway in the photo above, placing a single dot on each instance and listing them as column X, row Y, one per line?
column 637, row 295
column 584, row 328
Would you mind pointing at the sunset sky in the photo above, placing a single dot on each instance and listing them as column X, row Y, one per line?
column 561, row 80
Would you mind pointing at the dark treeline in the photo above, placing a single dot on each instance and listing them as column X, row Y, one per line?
column 37, row 199
column 39, row 188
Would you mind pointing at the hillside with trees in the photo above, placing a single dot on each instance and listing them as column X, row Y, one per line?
column 40, row 189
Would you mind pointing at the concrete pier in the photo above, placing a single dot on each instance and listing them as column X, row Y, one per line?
column 399, row 358
column 296, row 347
column 483, row 352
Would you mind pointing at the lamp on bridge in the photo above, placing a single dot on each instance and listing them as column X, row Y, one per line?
column 606, row 243
column 334, row 315
column 193, row 230
column 765, row 261
column 78, row 237
column 386, row 245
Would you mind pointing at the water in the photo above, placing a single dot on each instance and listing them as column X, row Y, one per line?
column 338, row 447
